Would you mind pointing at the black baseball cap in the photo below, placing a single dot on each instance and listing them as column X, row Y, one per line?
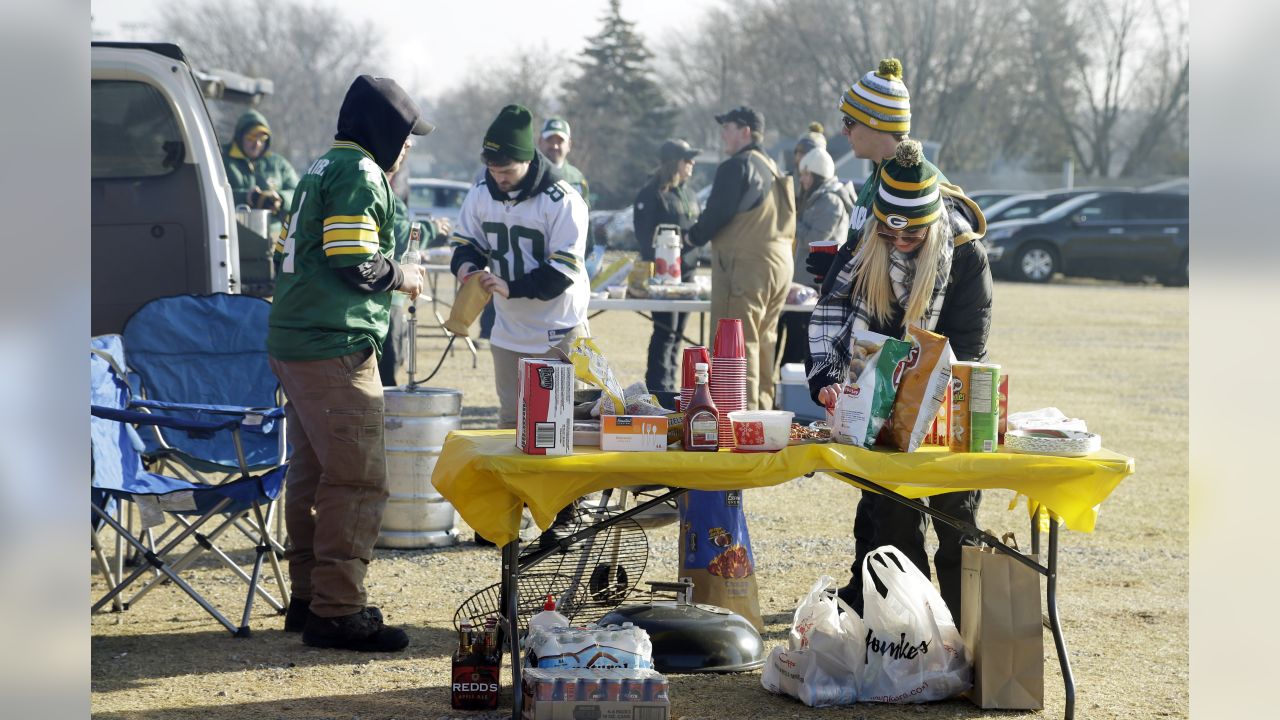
column 677, row 150
column 744, row 115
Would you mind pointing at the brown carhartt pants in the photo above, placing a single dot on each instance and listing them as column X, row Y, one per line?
column 751, row 268
column 336, row 485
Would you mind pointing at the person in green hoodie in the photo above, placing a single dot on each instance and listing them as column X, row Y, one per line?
column 259, row 178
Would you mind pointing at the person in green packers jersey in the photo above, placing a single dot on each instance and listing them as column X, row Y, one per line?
column 328, row 323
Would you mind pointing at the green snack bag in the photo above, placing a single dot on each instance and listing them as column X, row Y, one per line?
column 866, row 397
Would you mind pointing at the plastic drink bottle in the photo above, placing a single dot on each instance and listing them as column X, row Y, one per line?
column 548, row 617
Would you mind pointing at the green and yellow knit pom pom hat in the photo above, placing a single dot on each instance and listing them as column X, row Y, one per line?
column 908, row 196
column 879, row 99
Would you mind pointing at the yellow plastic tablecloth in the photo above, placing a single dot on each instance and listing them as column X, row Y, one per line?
column 484, row 476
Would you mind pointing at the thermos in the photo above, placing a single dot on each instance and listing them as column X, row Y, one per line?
column 666, row 254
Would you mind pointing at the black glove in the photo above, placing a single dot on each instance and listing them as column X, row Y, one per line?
column 819, row 264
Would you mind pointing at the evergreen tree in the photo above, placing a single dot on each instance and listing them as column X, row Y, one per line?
column 618, row 113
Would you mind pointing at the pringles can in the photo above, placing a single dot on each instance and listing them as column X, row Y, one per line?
column 975, row 407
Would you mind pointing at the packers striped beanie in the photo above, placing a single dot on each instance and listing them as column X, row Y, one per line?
column 879, row 99
column 908, row 194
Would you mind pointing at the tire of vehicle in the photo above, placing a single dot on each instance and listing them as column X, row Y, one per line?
column 1179, row 276
column 1035, row 262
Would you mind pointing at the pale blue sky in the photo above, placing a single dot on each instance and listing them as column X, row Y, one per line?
column 433, row 43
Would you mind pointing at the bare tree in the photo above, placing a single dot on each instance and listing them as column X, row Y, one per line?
column 463, row 113
column 1162, row 96
column 793, row 59
column 1130, row 80
column 311, row 53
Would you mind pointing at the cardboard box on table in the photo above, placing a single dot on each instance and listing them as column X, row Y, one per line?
column 544, row 419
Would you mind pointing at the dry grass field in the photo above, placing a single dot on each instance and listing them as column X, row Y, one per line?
column 1113, row 354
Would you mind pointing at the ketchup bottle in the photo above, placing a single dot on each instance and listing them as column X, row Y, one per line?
column 701, row 418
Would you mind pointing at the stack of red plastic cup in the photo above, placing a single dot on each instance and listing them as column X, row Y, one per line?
column 692, row 355
column 728, row 374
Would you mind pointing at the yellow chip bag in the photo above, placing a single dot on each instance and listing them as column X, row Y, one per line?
column 590, row 367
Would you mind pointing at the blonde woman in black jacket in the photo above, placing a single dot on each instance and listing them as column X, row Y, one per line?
column 918, row 261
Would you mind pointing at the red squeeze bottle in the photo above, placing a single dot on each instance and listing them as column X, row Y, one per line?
column 701, row 418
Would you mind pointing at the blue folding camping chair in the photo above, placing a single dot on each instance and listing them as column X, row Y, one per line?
column 120, row 476
column 208, row 350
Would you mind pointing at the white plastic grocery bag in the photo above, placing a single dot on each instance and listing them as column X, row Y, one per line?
column 796, row 672
column 823, row 659
column 912, row 649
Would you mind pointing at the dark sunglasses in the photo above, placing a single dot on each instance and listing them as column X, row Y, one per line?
column 849, row 122
column 905, row 237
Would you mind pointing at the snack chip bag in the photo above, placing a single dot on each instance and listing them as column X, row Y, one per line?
column 866, row 397
column 590, row 367
column 923, row 378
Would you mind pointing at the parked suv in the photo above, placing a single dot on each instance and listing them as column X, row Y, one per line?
column 163, row 221
column 1127, row 235
column 433, row 198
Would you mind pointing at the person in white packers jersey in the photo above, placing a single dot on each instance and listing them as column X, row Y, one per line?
column 522, row 234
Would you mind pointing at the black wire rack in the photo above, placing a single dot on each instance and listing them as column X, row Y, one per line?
column 587, row 577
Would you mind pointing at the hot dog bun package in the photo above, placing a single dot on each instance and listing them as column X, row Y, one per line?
column 867, row 396
column 922, row 379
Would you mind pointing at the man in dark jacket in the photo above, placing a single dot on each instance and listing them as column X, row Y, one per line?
column 328, row 324
column 750, row 221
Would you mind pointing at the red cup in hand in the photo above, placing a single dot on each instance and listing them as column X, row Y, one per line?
column 822, row 247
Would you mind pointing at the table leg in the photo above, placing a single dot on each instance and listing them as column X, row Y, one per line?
column 1068, row 680
column 1035, row 533
column 509, row 599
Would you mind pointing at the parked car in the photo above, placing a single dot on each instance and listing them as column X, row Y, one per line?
column 1125, row 234
column 1176, row 185
column 1029, row 205
column 162, row 217
column 433, row 198
column 986, row 198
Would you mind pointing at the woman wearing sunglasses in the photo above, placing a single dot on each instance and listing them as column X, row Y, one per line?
column 917, row 260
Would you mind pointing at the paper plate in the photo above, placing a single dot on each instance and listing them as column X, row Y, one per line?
column 1061, row 443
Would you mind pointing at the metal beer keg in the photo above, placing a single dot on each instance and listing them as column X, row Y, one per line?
column 416, row 422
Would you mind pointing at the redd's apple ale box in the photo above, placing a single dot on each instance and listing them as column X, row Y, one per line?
column 545, row 419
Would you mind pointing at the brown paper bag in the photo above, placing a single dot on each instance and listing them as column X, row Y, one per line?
column 467, row 306
column 1000, row 623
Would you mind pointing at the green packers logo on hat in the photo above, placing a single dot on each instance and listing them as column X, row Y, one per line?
column 879, row 99
column 556, row 126
column 908, row 195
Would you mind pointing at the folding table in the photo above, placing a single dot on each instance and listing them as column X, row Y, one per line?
column 489, row 481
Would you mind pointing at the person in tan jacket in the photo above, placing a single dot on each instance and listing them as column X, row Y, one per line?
column 750, row 221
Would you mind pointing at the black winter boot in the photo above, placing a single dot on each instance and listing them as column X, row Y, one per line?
column 363, row 631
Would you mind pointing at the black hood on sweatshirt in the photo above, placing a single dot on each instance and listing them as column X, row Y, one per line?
column 542, row 175
column 379, row 115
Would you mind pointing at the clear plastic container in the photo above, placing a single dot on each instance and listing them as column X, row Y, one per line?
column 761, row 430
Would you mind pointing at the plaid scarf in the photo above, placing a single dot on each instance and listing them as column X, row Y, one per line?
column 838, row 314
